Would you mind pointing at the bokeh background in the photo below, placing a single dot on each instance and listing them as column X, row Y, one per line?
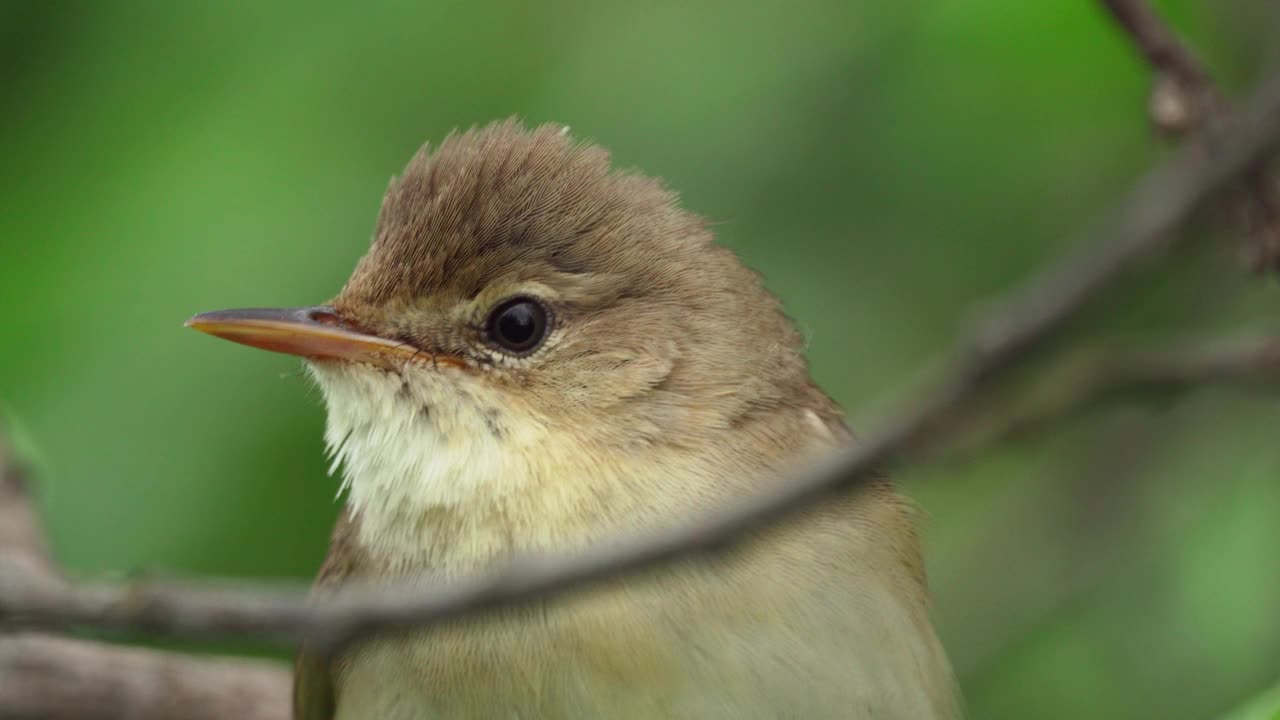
column 887, row 166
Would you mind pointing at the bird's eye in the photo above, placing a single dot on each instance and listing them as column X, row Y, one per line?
column 518, row 325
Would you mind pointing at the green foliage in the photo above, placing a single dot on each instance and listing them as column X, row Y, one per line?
column 886, row 165
column 1263, row 707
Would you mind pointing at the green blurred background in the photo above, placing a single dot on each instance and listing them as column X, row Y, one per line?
column 887, row 165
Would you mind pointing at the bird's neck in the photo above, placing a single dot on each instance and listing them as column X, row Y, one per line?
column 452, row 484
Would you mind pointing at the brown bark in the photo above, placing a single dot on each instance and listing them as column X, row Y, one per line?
column 47, row 677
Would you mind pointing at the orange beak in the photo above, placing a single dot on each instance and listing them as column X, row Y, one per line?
column 317, row 333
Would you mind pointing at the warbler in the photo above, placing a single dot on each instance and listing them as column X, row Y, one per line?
column 539, row 353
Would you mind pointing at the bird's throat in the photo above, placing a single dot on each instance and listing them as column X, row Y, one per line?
column 445, row 476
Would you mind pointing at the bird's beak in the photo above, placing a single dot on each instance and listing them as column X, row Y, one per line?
column 310, row 332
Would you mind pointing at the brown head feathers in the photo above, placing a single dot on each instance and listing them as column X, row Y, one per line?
column 503, row 200
column 641, row 297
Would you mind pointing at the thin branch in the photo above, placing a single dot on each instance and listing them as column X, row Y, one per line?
column 43, row 677
column 1090, row 379
column 1184, row 98
column 1145, row 226
column 1161, row 47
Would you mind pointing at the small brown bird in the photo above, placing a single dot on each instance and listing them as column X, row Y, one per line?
column 537, row 354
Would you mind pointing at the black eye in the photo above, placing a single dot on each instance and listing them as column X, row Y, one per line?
column 518, row 325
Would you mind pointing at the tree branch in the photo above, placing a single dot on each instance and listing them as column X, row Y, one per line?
column 1190, row 89
column 1184, row 99
column 1145, row 226
column 43, row 677
column 1090, row 379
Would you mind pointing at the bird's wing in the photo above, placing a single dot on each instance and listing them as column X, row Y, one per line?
column 313, row 697
column 313, row 692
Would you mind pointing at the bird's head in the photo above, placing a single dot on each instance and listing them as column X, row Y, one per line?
column 522, row 300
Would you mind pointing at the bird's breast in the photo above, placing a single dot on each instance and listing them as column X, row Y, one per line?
column 823, row 614
column 803, row 623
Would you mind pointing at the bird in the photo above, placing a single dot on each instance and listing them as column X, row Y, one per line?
column 538, row 353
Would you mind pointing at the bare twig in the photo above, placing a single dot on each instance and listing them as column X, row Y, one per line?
column 43, row 677
column 1145, row 226
column 1183, row 93
column 1184, row 99
column 1093, row 378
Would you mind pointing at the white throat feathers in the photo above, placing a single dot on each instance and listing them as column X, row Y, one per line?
column 447, row 474
column 410, row 447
